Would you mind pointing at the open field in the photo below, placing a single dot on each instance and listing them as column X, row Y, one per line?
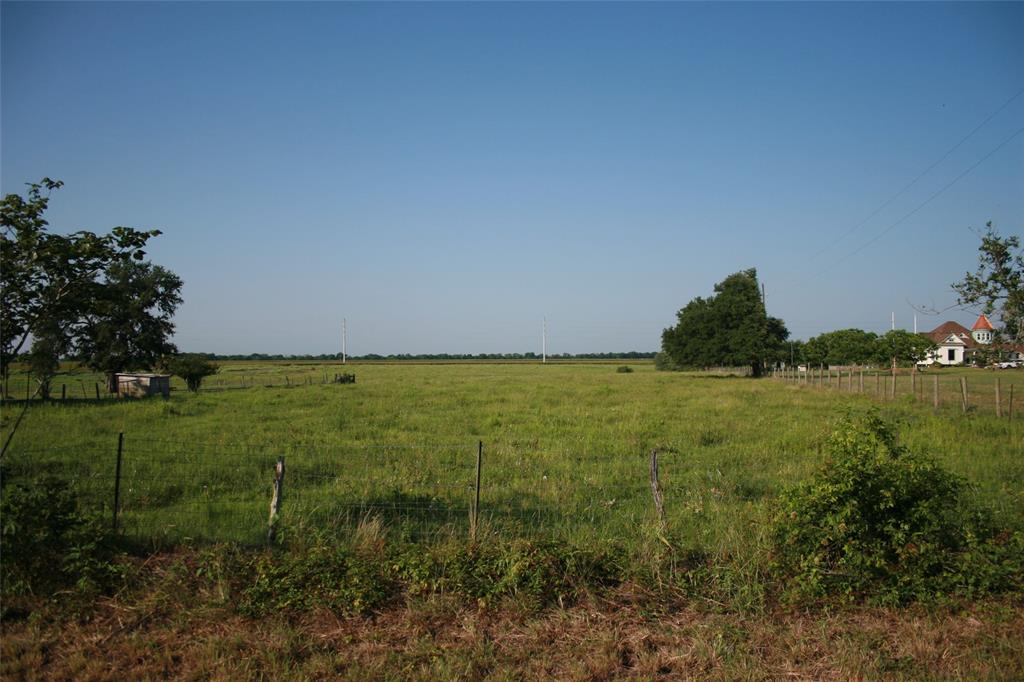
column 387, row 465
column 565, row 449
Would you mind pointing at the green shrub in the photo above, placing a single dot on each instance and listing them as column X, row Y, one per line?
column 881, row 523
column 48, row 545
column 664, row 363
column 321, row 576
column 625, row 369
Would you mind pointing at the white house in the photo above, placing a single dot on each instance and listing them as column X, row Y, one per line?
column 957, row 344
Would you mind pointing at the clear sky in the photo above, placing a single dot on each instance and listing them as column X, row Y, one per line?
column 444, row 175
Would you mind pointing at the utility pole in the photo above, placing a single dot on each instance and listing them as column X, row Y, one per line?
column 344, row 341
column 893, row 326
column 544, row 341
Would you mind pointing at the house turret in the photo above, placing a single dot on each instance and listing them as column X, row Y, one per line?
column 982, row 330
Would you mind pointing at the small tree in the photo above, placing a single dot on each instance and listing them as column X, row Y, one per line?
column 998, row 284
column 193, row 368
column 903, row 347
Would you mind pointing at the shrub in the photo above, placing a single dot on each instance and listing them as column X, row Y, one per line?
column 664, row 363
column 624, row 369
column 882, row 523
column 193, row 368
column 49, row 545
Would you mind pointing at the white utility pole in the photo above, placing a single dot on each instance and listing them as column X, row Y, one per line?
column 344, row 341
column 544, row 341
column 893, row 321
column 915, row 324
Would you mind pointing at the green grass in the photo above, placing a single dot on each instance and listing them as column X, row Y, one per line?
column 566, row 450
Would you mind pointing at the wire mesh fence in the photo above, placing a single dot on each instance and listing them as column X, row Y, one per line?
column 168, row 491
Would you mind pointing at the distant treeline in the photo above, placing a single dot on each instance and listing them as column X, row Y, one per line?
column 259, row 357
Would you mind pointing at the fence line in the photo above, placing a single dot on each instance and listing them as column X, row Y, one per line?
column 967, row 395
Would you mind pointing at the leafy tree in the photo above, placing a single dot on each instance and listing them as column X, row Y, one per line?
column 843, row 347
column 998, row 284
column 46, row 280
column 193, row 368
column 130, row 325
column 729, row 328
column 905, row 347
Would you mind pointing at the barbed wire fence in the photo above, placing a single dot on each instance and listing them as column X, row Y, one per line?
column 165, row 492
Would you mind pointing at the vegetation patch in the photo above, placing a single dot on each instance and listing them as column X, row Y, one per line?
column 882, row 523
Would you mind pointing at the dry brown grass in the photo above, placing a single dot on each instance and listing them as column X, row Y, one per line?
column 624, row 635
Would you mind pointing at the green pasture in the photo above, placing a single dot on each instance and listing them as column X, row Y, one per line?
column 566, row 449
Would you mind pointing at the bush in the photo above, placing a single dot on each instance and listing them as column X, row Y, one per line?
column 664, row 363
column 624, row 369
column 193, row 368
column 881, row 523
column 48, row 545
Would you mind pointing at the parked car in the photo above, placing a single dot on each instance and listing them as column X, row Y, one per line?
column 1008, row 364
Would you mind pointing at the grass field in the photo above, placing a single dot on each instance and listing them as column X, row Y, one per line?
column 565, row 449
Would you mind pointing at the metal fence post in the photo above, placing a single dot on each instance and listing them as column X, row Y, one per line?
column 117, row 478
column 476, row 498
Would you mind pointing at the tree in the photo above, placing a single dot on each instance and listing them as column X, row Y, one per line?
column 842, row 347
column 729, row 328
column 904, row 346
column 998, row 284
column 193, row 368
column 129, row 326
column 47, row 280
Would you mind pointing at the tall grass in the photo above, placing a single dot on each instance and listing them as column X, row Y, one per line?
column 565, row 451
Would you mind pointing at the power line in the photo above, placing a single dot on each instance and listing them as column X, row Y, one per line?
column 931, row 198
column 919, row 176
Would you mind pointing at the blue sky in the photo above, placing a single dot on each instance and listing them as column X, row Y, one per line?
column 444, row 175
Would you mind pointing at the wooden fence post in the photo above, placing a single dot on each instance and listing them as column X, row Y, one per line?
column 275, row 501
column 999, row 407
column 935, row 391
column 659, row 503
column 963, row 392
column 63, row 392
column 862, row 381
column 913, row 383
column 892, row 390
column 1009, row 408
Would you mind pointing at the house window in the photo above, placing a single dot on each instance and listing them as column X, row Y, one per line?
column 951, row 355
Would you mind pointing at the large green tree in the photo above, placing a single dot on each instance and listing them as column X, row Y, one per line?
column 842, row 347
column 903, row 346
column 129, row 326
column 48, row 282
column 997, row 286
column 729, row 328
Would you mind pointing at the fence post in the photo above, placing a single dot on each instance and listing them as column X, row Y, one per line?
column 1009, row 408
column 862, row 381
column 476, row 497
column 275, row 501
column 935, row 391
column 913, row 383
column 999, row 407
column 963, row 392
column 659, row 503
column 117, row 478
column 97, row 391
column 878, row 385
column 892, row 393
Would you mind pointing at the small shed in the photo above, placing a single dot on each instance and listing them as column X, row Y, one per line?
column 143, row 385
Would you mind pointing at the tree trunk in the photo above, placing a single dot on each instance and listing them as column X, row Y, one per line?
column 111, row 382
